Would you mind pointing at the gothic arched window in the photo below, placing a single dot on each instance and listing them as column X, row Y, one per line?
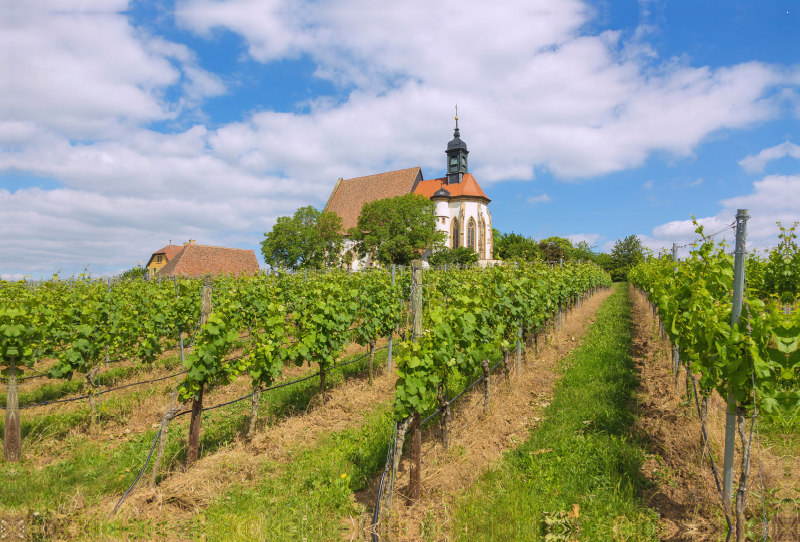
column 482, row 237
column 471, row 234
column 454, row 232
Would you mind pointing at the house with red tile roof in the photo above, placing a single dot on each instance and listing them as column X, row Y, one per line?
column 161, row 257
column 193, row 260
column 462, row 207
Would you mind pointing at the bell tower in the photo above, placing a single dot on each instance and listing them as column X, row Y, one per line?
column 456, row 157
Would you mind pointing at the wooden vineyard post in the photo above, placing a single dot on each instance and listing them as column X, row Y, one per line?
column 416, row 300
column 389, row 348
column 445, row 419
column 519, row 347
column 416, row 457
column 416, row 433
column 197, row 402
column 675, row 354
column 12, row 441
column 485, row 367
column 560, row 264
column 169, row 414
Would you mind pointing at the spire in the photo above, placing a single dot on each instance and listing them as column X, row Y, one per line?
column 456, row 130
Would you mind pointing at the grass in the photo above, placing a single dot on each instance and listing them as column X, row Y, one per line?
column 96, row 468
column 51, row 391
column 582, row 453
column 307, row 497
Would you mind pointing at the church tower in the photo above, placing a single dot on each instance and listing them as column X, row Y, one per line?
column 456, row 157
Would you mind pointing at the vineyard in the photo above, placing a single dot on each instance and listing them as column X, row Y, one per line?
column 381, row 405
column 65, row 344
column 733, row 325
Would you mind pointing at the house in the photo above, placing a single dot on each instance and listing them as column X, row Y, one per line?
column 161, row 257
column 193, row 260
column 462, row 207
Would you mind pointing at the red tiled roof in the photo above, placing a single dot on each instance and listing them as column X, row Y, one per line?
column 467, row 187
column 198, row 260
column 169, row 251
column 350, row 195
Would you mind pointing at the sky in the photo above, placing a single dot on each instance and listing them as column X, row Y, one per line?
column 126, row 124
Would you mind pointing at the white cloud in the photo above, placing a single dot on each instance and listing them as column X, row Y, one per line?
column 541, row 198
column 648, row 185
column 755, row 164
column 697, row 182
column 81, row 69
column 775, row 198
column 534, row 92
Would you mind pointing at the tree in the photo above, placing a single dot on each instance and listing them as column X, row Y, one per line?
column 515, row 247
column 396, row 230
column 583, row 252
column 459, row 255
column 308, row 239
column 556, row 248
column 624, row 256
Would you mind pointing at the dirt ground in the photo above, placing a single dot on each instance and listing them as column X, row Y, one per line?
column 684, row 492
column 477, row 440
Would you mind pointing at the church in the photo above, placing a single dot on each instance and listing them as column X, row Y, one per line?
column 462, row 208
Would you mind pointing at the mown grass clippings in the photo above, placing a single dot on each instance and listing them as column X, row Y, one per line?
column 592, row 459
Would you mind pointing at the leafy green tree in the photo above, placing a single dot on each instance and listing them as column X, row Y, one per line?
column 515, row 247
column 308, row 239
column 555, row 248
column 397, row 230
column 605, row 262
column 584, row 252
column 625, row 255
column 460, row 255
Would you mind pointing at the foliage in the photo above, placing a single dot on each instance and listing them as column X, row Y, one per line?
column 450, row 256
column 515, row 247
column 693, row 298
column 625, row 255
column 480, row 314
column 556, row 248
column 584, row 252
column 396, row 230
column 136, row 272
column 308, row 239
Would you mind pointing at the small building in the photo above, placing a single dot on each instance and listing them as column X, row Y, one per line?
column 162, row 257
column 195, row 260
column 462, row 208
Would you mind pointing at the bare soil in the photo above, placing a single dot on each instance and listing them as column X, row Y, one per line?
column 684, row 490
column 476, row 440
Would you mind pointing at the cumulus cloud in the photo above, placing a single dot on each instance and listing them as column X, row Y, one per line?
column 541, row 198
column 756, row 164
column 535, row 92
column 775, row 198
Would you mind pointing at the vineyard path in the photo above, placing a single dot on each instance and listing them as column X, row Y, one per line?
column 477, row 441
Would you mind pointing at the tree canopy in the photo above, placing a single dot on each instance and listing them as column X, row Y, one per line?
column 515, row 247
column 459, row 255
column 396, row 230
column 308, row 239
column 624, row 256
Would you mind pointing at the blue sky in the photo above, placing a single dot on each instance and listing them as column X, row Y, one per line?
column 126, row 124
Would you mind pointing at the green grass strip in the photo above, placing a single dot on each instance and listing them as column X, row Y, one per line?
column 582, row 453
